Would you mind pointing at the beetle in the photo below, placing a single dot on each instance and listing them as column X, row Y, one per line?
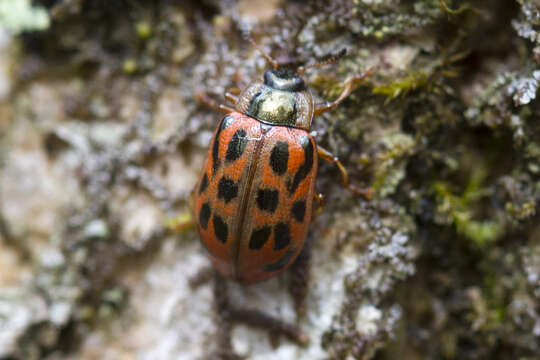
column 253, row 202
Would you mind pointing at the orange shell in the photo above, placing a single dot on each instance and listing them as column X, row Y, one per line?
column 253, row 202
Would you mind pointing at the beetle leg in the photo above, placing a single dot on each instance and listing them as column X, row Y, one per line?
column 299, row 279
column 328, row 156
column 319, row 198
column 275, row 326
column 348, row 87
column 228, row 313
column 234, row 90
column 203, row 98
column 232, row 95
column 201, row 277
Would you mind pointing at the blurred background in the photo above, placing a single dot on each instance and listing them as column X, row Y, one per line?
column 102, row 140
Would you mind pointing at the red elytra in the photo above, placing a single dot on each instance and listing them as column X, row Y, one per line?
column 253, row 202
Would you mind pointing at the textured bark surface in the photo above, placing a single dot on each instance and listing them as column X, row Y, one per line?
column 102, row 139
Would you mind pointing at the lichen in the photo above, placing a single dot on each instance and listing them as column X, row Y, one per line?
column 390, row 164
column 20, row 15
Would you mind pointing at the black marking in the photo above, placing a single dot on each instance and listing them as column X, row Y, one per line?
column 215, row 153
column 279, row 158
column 227, row 189
column 237, row 145
column 220, row 228
column 284, row 79
column 305, row 168
column 204, row 215
column 299, row 210
column 267, row 199
column 282, row 236
column 254, row 105
column 278, row 265
column 227, row 120
column 259, row 237
column 204, row 184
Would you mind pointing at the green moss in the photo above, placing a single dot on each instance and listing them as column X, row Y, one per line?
column 460, row 209
column 494, row 308
column 461, row 9
column 129, row 66
column 143, row 29
column 402, row 86
column 521, row 211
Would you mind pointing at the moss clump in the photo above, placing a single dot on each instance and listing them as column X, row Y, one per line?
column 402, row 86
column 461, row 208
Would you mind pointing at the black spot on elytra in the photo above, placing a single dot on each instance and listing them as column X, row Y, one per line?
column 204, row 215
column 267, row 199
column 259, row 237
column 279, row 158
column 220, row 228
column 299, row 210
column 227, row 120
column 282, row 236
column 227, row 189
column 204, row 184
column 237, row 145
column 306, row 166
column 280, row 264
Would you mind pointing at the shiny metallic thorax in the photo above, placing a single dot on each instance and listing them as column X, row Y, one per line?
column 281, row 100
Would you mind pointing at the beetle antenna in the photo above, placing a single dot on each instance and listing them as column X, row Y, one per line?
column 332, row 59
column 273, row 62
